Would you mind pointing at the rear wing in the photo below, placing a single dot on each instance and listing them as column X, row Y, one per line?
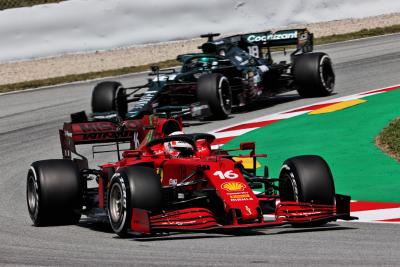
column 97, row 132
column 136, row 132
column 298, row 37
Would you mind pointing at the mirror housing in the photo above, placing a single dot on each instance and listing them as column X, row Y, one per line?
column 248, row 146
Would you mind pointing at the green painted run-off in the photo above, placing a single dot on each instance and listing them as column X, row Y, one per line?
column 345, row 139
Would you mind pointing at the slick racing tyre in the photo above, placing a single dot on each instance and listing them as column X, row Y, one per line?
column 214, row 90
column 108, row 97
column 313, row 74
column 307, row 179
column 54, row 192
column 132, row 187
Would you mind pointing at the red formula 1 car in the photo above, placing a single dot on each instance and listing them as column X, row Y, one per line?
column 170, row 181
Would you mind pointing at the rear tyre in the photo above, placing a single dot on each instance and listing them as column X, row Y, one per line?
column 214, row 89
column 307, row 179
column 132, row 187
column 54, row 192
column 314, row 75
column 108, row 97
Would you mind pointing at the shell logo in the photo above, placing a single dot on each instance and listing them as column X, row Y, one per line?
column 233, row 186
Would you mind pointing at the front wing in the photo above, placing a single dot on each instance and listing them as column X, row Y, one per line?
column 203, row 220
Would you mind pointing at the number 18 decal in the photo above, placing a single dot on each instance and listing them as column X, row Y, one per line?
column 228, row 174
column 254, row 51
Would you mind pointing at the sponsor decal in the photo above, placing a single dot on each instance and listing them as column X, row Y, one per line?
column 304, row 36
column 163, row 78
column 272, row 36
column 135, row 141
column 101, row 131
column 237, row 197
column 173, row 182
column 160, row 172
column 145, row 99
column 239, row 58
column 197, row 110
column 67, row 134
column 179, row 223
column 233, row 186
column 246, row 62
column 230, row 174
column 248, row 210
column 96, row 127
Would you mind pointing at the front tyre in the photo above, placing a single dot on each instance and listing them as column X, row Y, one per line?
column 132, row 187
column 214, row 90
column 54, row 192
column 307, row 179
column 313, row 74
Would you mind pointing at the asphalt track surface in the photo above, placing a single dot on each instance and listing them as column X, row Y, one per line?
column 28, row 132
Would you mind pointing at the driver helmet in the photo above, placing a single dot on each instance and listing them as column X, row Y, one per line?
column 178, row 148
column 203, row 61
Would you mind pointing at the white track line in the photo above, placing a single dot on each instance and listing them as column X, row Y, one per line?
column 376, row 215
column 289, row 114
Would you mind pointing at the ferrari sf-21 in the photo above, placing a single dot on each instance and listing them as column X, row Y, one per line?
column 168, row 181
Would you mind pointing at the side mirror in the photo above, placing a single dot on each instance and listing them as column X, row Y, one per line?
column 79, row 117
column 155, row 68
column 248, row 146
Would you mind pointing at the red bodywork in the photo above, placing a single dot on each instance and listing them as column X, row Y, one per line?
column 240, row 207
column 138, row 132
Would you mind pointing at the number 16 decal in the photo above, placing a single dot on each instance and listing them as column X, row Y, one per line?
column 228, row 174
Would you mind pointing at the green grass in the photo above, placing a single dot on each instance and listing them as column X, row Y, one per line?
column 172, row 62
column 81, row 77
column 356, row 35
column 389, row 139
column 6, row 4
